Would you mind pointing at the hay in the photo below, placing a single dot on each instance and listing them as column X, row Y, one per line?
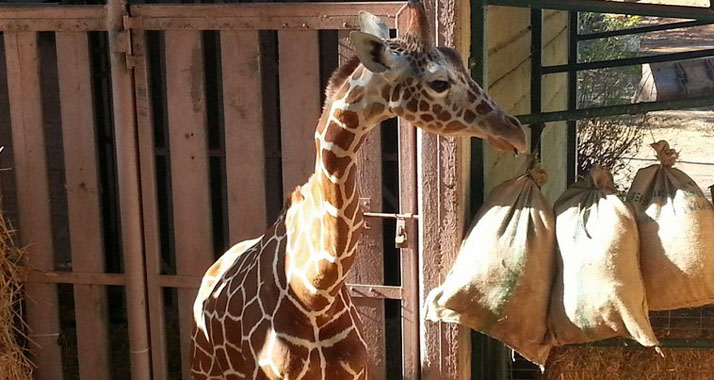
column 633, row 362
column 629, row 363
column 14, row 365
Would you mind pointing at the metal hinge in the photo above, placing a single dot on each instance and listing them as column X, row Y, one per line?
column 401, row 238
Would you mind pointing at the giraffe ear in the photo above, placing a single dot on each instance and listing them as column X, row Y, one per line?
column 371, row 51
column 372, row 24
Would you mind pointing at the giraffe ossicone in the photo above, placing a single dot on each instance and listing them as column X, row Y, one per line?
column 276, row 307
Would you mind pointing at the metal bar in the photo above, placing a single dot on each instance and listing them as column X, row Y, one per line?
column 375, row 291
column 599, row 6
column 640, row 30
column 76, row 278
column 479, row 72
column 624, row 109
column 572, row 137
column 628, row 61
column 390, row 215
column 536, row 77
column 664, row 343
column 125, row 132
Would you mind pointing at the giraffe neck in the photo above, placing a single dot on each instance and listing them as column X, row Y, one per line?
column 326, row 218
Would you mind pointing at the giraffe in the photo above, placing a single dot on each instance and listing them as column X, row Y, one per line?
column 276, row 307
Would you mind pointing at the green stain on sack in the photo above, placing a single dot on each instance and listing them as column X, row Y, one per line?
column 513, row 270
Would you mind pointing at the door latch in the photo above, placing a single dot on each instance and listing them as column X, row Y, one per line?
column 401, row 238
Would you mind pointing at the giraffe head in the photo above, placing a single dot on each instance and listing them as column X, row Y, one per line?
column 428, row 85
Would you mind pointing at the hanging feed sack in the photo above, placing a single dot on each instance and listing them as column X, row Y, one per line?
column 598, row 292
column 676, row 224
column 500, row 282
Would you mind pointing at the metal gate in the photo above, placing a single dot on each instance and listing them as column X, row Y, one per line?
column 183, row 151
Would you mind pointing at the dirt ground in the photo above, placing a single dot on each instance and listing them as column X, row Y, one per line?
column 691, row 132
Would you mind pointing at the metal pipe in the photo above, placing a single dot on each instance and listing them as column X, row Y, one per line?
column 664, row 343
column 599, row 6
column 536, row 78
column 129, row 196
column 572, row 136
column 623, row 109
column 640, row 30
column 479, row 72
column 628, row 61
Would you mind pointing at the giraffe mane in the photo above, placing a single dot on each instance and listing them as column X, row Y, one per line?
column 339, row 76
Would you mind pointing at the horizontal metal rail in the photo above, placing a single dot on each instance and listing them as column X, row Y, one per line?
column 623, row 109
column 599, row 6
column 390, row 215
column 640, row 30
column 664, row 343
column 628, row 61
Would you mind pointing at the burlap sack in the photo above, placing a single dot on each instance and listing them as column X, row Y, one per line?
column 501, row 279
column 676, row 224
column 598, row 292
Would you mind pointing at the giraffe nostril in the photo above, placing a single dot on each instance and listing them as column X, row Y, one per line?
column 513, row 121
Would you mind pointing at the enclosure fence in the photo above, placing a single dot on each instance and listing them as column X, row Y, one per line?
column 144, row 141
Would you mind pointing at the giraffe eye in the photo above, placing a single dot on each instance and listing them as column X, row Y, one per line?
column 439, row 85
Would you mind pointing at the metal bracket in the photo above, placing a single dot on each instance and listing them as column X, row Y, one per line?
column 401, row 239
column 365, row 205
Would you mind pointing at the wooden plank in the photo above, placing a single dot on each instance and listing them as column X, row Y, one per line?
column 77, row 278
column 35, row 226
column 52, row 12
column 308, row 12
column 245, row 23
column 244, row 140
column 125, row 134
column 299, row 104
column 48, row 25
column 150, row 212
column 190, row 183
column 83, row 201
column 368, row 267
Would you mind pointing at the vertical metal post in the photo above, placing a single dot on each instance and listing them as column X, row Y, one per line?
column 572, row 138
column 479, row 71
column 129, row 195
column 536, row 76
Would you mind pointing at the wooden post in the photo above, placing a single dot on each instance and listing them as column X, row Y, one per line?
column 83, row 201
column 245, row 143
column 190, row 182
column 129, row 195
column 445, row 348
column 149, row 199
column 35, row 227
column 299, row 104
column 368, row 267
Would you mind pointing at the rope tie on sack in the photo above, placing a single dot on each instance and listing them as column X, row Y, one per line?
column 665, row 155
column 538, row 174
